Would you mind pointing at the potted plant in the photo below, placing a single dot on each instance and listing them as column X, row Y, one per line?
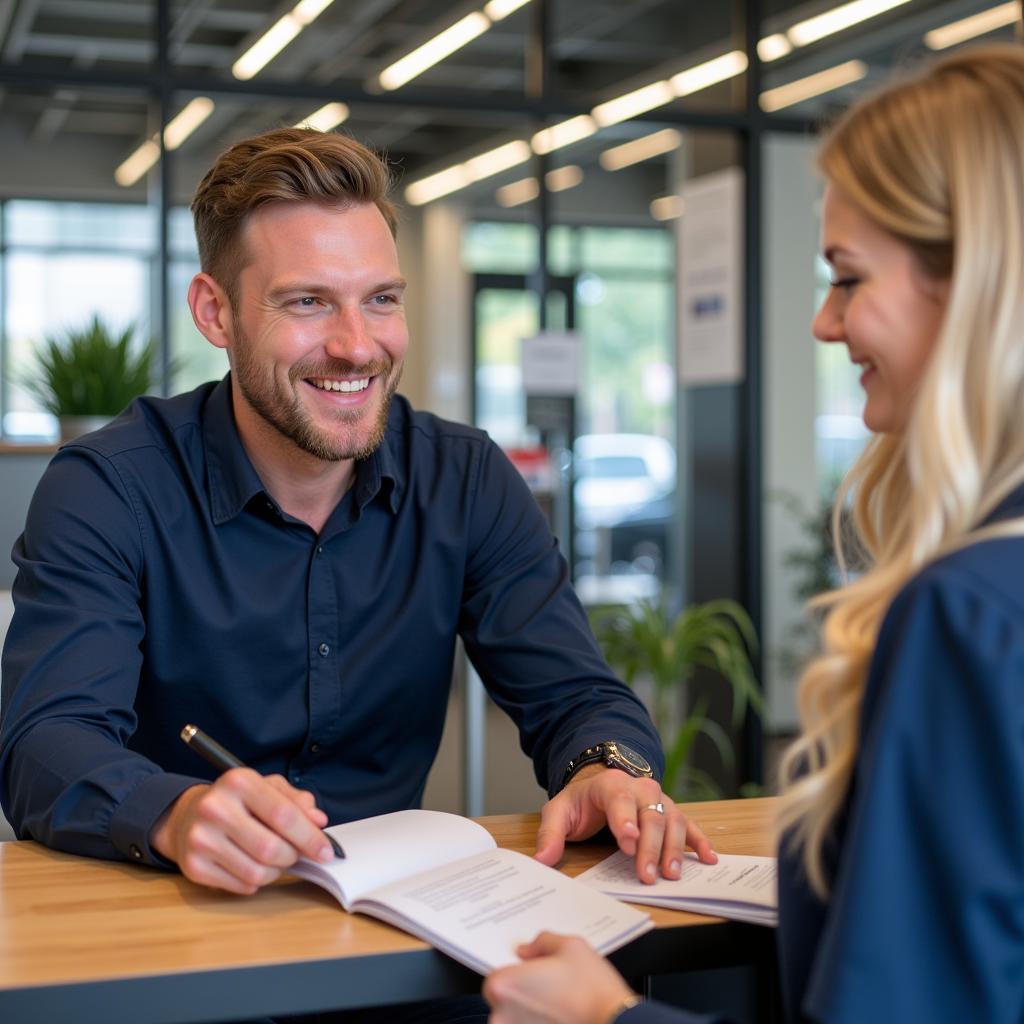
column 88, row 375
column 649, row 646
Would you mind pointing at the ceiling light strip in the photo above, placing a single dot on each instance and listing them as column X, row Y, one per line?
column 477, row 168
column 644, row 148
column 525, row 190
column 667, row 207
column 563, row 134
column 976, row 25
column 277, row 37
column 563, row 178
column 137, row 164
column 496, row 10
column 813, row 85
column 711, row 72
column 434, row 50
column 773, row 47
column 328, row 117
column 837, row 19
column 191, row 116
column 639, row 101
column 518, row 192
column 176, row 131
column 445, row 43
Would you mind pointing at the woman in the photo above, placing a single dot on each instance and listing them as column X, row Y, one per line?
column 901, row 873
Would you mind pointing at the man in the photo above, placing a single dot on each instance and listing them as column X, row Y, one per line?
column 286, row 558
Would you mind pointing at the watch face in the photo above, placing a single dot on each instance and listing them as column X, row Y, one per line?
column 636, row 761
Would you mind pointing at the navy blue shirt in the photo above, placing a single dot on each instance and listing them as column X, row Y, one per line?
column 159, row 583
column 925, row 921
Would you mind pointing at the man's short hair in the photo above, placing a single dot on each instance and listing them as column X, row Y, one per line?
column 282, row 165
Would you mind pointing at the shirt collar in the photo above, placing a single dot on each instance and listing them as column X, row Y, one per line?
column 233, row 481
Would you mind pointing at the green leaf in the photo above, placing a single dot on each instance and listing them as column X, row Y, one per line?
column 645, row 641
column 92, row 371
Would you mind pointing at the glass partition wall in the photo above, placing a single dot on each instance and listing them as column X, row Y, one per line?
column 557, row 161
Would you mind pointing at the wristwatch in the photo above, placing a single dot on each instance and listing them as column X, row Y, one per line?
column 614, row 755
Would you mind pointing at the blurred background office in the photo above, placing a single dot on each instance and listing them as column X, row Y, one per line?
column 627, row 183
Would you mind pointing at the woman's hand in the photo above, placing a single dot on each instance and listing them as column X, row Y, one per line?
column 562, row 981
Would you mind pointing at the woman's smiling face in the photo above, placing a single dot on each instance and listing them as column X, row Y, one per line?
column 882, row 306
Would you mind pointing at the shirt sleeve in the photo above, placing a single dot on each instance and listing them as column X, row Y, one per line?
column 71, row 667
column 926, row 920
column 528, row 636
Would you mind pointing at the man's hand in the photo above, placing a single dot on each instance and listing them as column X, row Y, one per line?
column 597, row 795
column 562, row 981
column 241, row 832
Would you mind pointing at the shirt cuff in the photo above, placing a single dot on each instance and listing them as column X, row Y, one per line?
column 134, row 819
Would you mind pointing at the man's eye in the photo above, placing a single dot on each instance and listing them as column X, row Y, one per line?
column 307, row 301
column 385, row 300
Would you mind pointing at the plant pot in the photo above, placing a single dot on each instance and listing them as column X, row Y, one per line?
column 74, row 426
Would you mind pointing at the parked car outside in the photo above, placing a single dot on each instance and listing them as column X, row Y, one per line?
column 624, row 497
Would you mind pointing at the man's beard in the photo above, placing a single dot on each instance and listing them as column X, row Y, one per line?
column 283, row 410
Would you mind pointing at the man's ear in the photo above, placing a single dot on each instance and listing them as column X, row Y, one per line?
column 211, row 310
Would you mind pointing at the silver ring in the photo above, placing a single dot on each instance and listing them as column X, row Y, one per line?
column 659, row 807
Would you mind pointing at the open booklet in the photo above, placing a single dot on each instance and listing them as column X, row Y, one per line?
column 443, row 878
column 741, row 888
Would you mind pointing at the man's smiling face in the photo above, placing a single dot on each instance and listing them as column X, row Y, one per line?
column 319, row 333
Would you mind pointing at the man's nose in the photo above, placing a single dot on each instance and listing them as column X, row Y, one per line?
column 348, row 338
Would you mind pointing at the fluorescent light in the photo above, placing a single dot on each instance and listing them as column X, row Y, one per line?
column 525, row 190
column 460, row 175
column 632, row 103
column 644, row 148
column 329, row 116
column 498, row 9
column 277, row 37
column 773, row 47
column 307, row 11
column 813, row 85
column 188, row 120
column 709, row 73
column 496, row 160
column 657, row 94
column 266, row 48
column 839, row 18
column 667, row 207
column 434, row 50
column 562, row 178
column 976, row 25
column 518, row 192
column 426, row 190
column 137, row 164
column 177, row 130
column 563, row 134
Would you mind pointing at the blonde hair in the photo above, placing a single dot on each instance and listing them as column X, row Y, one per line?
column 938, row 162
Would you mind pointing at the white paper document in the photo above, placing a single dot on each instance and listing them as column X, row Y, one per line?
column 443, row 878
column 738, row 887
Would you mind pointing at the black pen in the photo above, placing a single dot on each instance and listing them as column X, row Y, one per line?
column 224, row 760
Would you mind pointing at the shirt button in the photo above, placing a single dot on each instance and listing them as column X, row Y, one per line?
column 135, row 852
column 324, row 650
column 319, row 549
column 315, row 748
